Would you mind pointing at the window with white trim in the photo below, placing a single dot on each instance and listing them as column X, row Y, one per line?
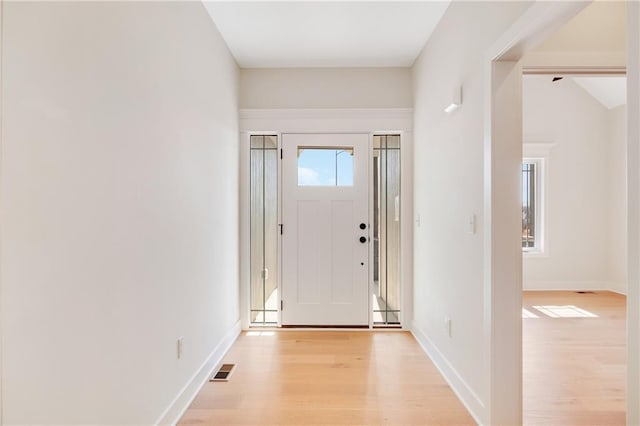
column 532, row 203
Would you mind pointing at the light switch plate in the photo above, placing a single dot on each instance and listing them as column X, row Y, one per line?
column 471, row 224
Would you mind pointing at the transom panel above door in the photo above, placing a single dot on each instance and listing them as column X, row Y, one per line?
column 325, row 235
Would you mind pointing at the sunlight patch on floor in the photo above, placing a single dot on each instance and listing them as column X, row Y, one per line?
column 259, row 333
column 528, row 314
column 564, row 311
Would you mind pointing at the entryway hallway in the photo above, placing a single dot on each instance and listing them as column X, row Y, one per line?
column 328, row 377
column 574, row 365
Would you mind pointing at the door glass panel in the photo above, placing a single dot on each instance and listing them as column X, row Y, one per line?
column 264, row 230
column 325, row 166
column 386, row 230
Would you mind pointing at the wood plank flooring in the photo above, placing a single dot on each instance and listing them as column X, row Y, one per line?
column 328, row 378
column 574, row 365
column 573, row 361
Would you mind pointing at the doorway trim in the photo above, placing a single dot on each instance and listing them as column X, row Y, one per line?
column 633, row 212
column 503, row 256
column 339, row 120
column 1, row 230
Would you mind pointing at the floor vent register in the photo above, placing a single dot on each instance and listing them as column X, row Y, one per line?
column 223, row 374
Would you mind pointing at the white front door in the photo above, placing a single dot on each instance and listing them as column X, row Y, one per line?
column 325, row 241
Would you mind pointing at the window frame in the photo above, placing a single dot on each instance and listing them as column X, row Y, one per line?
column 538, row 239
column 538, row 153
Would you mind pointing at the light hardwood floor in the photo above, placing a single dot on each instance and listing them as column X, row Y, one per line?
column 574, row 373
column 329, row 378
column 574, row 368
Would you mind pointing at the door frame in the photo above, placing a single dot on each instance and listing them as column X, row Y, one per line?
column 369, row 121
column 503, row 144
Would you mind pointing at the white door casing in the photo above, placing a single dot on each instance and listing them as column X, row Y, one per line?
column 324, row 263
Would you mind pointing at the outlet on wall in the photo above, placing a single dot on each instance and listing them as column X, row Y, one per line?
column 179, row 347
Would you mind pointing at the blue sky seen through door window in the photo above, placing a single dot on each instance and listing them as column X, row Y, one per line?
column 325, row 166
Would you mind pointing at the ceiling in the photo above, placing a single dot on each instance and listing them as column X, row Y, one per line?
column 269, row 34
column 609, row 91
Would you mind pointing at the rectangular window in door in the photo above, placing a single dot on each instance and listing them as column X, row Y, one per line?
column 325, row 166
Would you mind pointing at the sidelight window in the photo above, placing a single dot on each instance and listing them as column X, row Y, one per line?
column 386, row 230
column 264, row 230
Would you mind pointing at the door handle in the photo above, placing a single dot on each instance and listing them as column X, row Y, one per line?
column 363, row 240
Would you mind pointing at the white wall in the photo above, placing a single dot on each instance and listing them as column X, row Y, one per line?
column 586, row 137
column 586, row 203
column 584, row 33
column 326, row 88
column 449, row 176
column 617, row 198
column 118, row 236
column 580, row 42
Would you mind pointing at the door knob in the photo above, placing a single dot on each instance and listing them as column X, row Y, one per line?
column 363, row 226
column 363, row 240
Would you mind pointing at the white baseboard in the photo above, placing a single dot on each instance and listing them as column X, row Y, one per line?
column 574, row 286
column 187, row 394
column 467, row 396
column 620, row 288
column 564, row 285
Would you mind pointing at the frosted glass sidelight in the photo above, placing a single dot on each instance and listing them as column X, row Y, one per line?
column 386, row 211
column 257, row 229
column 263, row 229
